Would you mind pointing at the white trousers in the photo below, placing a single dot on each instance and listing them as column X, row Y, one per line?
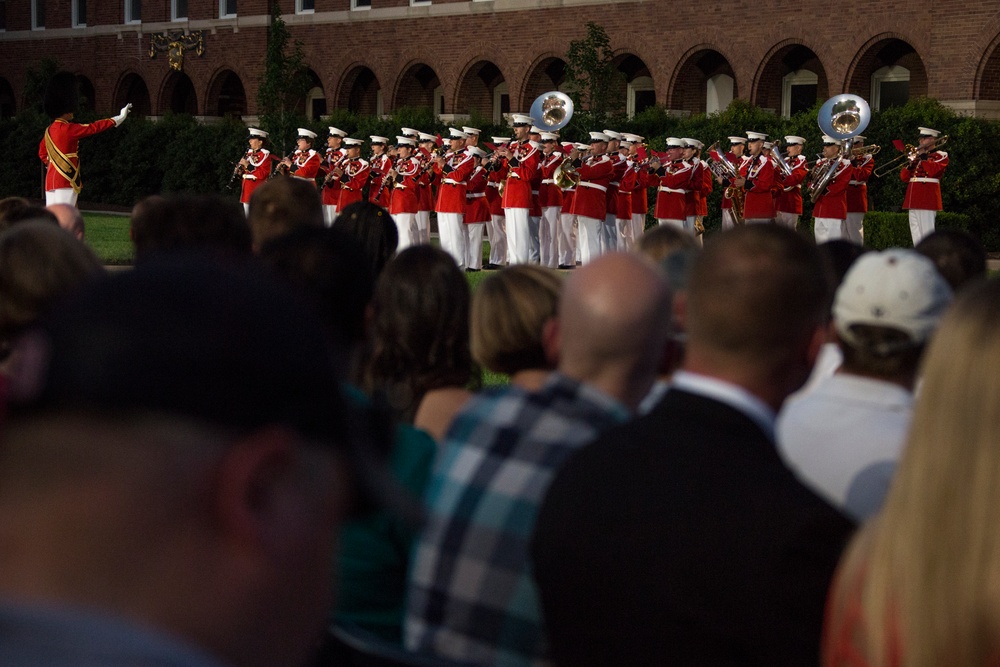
column 827, row 229
column 497, row 231
column 855, row 227
column 534, row 249
column 638, row 226
column 518, row 235
column 786, row 219
column 728, row 221
column 590, row 238
column 921, row 223
column 548, row 231
column 566, row 240
column 246, row 210
column 61, row 196
column 423, row 227
column 474, row 244
column 609, row 234
column 451, row 233
column 329, row 214
column 406, row 225
column 679, row 224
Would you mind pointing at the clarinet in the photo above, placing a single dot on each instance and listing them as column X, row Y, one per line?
column 281, row 169
column 385, row 180
column 329, row 178
column 239, row 169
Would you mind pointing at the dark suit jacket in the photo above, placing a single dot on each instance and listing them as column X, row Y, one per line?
column 681, row 538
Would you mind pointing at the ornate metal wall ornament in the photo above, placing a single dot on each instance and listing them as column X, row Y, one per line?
column 174, row 44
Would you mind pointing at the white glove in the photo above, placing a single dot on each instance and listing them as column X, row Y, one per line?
column 122, row 115
column 249, row 177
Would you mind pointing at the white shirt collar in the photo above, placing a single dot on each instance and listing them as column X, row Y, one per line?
column 732, row 395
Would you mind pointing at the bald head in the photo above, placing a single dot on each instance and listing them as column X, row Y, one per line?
column 614, row 318
column 756, row 298
column 69, row 218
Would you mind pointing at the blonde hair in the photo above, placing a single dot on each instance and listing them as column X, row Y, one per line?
column 509, row 311
column 923, row 580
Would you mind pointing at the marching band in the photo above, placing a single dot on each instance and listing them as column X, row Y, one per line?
column 540, row 200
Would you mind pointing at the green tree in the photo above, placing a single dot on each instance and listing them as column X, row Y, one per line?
column 285, row 83
column 592, row 80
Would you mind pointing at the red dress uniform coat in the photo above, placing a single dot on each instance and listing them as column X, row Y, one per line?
column 790, row 198
column 380, row 166
column 476, row 208
column 549, row 193
column 701, row 194
column 857, row 191
column 614, row 187
column 496, row 176
column 643, row 181
column 674, row 183
column 458, row 167
column 66, row 137
column 305, row 165
column 591, row 198
column 627, row 184
column 353, row 181
column 522, row 170
column 330, row 192
column 923, row 190
column 833, row 202
column 759, row 175
column 257, row 172
column 406, row 188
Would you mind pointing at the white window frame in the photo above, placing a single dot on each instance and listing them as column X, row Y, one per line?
column 884, row 75
column 74, row 15
column 419, row 3
column 639, row 83
column 718, row 93
column 438, row 100
column 173, row 12
column 128, row 12
column 299, row 9
column 498, row 92
column 34, row 16
column 315, row 93
column 800, row 77
column 222, row 10
column 355, row 7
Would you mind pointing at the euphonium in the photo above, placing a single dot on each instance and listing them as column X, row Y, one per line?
column 566, row 176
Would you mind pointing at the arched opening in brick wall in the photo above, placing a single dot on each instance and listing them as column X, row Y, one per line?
column 637, row 80
column 477, row 91
column 887, row 73
column 226, row 95
column 87, row 94
column 131, row 88
column 988, row 86
column 791, row 81
column 178, row 95
column 361, row 92
column 420, row 88
column 313, row 105
column 8, row 104
column 548, row 74
column 705, row 83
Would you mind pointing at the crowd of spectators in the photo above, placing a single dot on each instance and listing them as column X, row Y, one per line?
column 269, row 443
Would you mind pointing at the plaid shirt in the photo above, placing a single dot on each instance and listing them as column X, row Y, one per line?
column 471, row 593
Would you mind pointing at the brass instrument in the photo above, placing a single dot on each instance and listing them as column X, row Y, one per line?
column 909, row 155
column 780, row 160
column 842, row 117
column 870, row 150
column 566, row 176
column 720, row 165
column 552, row 110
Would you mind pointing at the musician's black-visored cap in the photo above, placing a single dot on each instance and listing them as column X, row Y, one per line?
column 218, row 342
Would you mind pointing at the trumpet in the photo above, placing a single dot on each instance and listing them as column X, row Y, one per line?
column 870, row 150
column 909, row 155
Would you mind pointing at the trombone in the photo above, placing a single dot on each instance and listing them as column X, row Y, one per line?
column 909, row 155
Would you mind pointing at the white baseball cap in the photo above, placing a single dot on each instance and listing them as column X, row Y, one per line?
column 899, row 289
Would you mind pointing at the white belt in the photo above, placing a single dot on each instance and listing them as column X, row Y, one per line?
column 473, row 195
column 666, row 189
column 493, row 184
column 858, row 183
column 400, row 186
column 588, row 184
column 793, row 187
column 548, row 181
column 534, row 192
column 921, row 179
column 614, row 183
column 452, row 182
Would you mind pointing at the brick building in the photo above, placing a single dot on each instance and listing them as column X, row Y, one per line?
column 494, row 56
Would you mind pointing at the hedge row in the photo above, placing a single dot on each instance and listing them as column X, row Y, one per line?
column 178, row 154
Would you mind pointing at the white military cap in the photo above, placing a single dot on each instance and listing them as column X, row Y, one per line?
column 737, row 140
column 352, row 142
column 768, row 145
column 521, row 119
column 631, row 138
column 581, row 147
column 378, row 140
column 308, row 134
column 455, row 133
column 426, row 137
column 791, row 139
column 535, row 130
column 476, row 150
column 827, row 139
column 598, row 136
column 613, row 135
column 501, row 140
column 408, row 132
column 471, row 130
column 335, row 132
column 928, row 132
column 549, row 136
column 858, row 139
column 405, row 141
column 674, row 142
column 692, row 143
column 254, row 132
column 756, row 136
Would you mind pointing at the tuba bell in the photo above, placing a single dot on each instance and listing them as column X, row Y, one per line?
column 552, row 110
column 842, row 117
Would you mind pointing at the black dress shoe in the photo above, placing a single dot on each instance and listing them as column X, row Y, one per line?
column 566, row 267
column 492, row 267
column 471, row 270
